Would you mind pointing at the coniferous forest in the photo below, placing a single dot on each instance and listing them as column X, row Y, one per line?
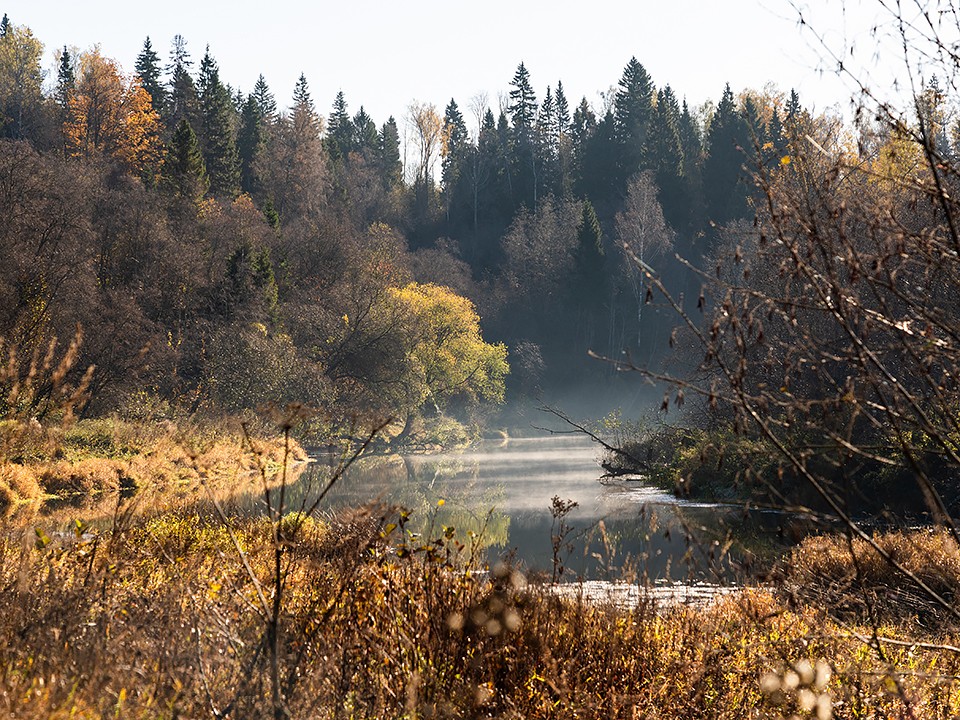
column 221, row 305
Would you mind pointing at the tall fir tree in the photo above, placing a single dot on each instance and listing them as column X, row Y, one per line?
column 4, row 26
column 366, row 138
column 217, row 123
column 151, row 76
column 523, row 117
column 663, row 153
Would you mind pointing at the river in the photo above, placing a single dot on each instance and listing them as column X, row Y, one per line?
column 500, row 494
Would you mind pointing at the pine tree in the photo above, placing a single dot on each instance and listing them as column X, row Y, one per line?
column 455, row 158
column 217, row 134
column 547, row 144
column 523, row 104
column 185, row 172
column 457, row 139
column 588, row 286
column 523, row 116
column 4, row 26
column 564, row 142
column 149, row 71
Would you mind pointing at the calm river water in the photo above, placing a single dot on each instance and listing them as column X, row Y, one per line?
column 502, row 491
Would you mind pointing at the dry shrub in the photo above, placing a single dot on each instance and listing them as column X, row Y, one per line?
column 19, row 481
column 852, row 578
column 87, row 477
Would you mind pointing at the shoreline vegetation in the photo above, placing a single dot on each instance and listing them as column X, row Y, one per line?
column 156, row 614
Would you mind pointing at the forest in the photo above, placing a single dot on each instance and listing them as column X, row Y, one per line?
column 219, row 250
column 198, row 281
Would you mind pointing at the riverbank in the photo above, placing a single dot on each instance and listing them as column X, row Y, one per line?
column 79, row 463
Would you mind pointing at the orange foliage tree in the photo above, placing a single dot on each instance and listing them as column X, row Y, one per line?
column 110, row 113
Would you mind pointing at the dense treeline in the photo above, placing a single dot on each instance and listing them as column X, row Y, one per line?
column 220, row 252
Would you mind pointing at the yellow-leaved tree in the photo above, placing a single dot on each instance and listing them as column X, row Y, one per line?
column 110, row 114
column 446, row 353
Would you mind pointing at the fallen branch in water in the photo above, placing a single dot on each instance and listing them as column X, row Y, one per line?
column 635, row 465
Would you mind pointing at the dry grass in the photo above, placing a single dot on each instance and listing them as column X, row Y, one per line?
column 858, row 583
column 158, row 618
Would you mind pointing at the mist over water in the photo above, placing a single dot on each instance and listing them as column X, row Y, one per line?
column 502, row 490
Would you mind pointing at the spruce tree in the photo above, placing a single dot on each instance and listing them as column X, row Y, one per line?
column 391, row 166
column 633, row 109
column 588, row 287
column 457, row 139
column 723, row 187
column 663, row 153
column 185, row 172
column 523, row 117
column 266, row 103
column 217, row 135
column 182, row 103
column 150, row 74
column 250, row 143
column 564, row 142
column 66, row 78
column 366, row 138
column 339, row 140
column 4, row 26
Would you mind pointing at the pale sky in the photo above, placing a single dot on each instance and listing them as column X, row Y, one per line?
column 384, row 54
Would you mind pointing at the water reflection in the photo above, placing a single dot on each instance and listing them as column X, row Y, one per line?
column 503, row 491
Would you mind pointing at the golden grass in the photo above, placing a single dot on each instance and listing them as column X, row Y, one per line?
column 158, row 617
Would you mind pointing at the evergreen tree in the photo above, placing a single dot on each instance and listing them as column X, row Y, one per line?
column 588, row 286
column 664, row 154
column 455, row 161
column 598, row 175
column 217, row 138
column 150, row 74
column 66, row 78
column 723, row 187
column 691, row 145
column 185, row 172
column 523, row 116
column 339, row 130
column 251, row 138
column 633, row 108
column 182, row 104
column 547, row 145
column 366, row 139
column 391, row 166
column 564, row 142
column 4, row 26
column 457, row 139
column 266, row 103
column 523, row 104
